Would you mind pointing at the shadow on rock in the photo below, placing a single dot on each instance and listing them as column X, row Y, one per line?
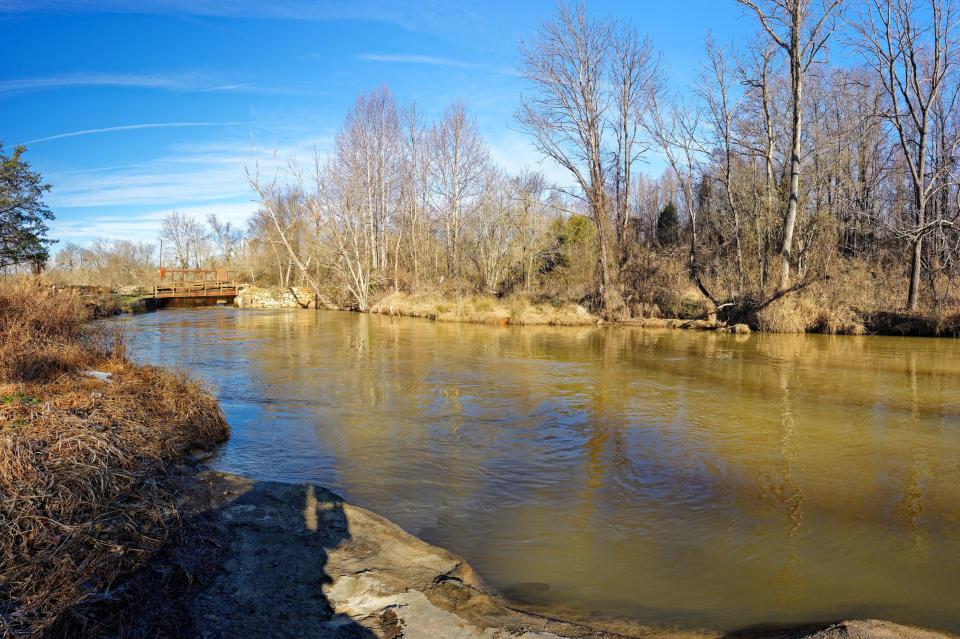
column 779, row 631
column 275, row 552
column 245, row 561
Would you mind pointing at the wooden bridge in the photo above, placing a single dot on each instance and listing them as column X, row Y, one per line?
column 195, row 287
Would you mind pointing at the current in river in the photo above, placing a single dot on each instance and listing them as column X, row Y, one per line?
column 676, row 478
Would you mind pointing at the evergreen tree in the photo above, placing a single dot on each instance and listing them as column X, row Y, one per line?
column 668, row 225
column 23, row 214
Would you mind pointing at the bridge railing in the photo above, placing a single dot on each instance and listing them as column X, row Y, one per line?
column 195, row 283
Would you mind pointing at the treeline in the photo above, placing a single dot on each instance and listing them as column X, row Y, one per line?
column 105, row 263
column 810, row 178
column 402, row 203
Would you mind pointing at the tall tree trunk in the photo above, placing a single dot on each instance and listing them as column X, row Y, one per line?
column 915, row 265
column 790, row 218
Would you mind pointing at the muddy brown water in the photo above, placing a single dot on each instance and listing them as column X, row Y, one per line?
column 674, row 477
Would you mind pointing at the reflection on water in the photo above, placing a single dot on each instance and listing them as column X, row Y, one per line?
column 677, row 477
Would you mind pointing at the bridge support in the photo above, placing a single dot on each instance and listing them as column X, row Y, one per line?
column 194, row 302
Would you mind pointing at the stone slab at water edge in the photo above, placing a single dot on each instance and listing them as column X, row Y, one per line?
column 299, row 561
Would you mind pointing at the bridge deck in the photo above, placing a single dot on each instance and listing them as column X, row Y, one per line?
column 219, row 289
column 191, row 284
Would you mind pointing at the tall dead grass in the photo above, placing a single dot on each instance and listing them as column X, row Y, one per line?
column 862, row 298
column 512, row 311
column 84, row 496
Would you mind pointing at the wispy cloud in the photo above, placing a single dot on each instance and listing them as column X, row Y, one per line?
column 188, row 175
column 184, row 82
column 144, row 227
column 401, row 58
column 229, row 87
column 433, row 16
column 130, row 127
column 146, row 81
column 165, row 184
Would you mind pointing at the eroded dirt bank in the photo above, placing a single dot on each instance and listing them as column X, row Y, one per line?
column 296, row 561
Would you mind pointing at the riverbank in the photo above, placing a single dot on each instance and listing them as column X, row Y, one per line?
column 484, row 310
column 472, row 309
column 799, row 313
column 89, row 442
column 299, row 560
column 480, row 310
column 803, row 312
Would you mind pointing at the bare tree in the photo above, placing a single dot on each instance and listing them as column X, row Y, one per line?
column 590, row 79
column 370, row 140
column 529, row 189
column 68, row 258
column 801, row 28
column 722, row 104
column 271, row 194
column 492, row 228
column 264, row 243
column 338, row 203
column 456, row 170
column 186, row 237
column 759, row 138
column 635, row 76
column 227, row 236
column 913, row 56
column 566, row 116
column 675, row 128
column 415, row 189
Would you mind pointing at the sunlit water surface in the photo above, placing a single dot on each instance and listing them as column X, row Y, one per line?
column 681, row 478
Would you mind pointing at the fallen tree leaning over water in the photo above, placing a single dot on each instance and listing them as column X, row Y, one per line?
column 84, row 460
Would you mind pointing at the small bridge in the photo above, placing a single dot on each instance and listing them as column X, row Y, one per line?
column 195, row 287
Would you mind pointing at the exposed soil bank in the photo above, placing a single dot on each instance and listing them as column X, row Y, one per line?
column 299, row 561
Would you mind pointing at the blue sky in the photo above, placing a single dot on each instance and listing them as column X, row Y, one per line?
column 134, row 109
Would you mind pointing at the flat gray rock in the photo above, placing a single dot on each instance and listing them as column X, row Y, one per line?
column 296, row 561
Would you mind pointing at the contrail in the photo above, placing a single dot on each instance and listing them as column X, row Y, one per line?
column 131, row 126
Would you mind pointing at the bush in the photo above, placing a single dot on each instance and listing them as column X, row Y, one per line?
column 693, row 308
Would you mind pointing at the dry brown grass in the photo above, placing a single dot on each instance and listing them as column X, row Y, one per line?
column 841, row 304
column 84, row 500
column 484, row 310
column 810, row 312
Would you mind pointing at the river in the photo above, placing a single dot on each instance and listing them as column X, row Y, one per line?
column 679, row 478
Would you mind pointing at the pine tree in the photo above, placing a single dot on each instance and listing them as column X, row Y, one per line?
column 23, row 214
column 668, row 225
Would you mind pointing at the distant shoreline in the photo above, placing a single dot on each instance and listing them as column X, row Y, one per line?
column 523, row 312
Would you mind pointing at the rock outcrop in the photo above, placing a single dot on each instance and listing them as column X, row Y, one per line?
column 297, row 561
column 302, row 563
column 294, row 297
